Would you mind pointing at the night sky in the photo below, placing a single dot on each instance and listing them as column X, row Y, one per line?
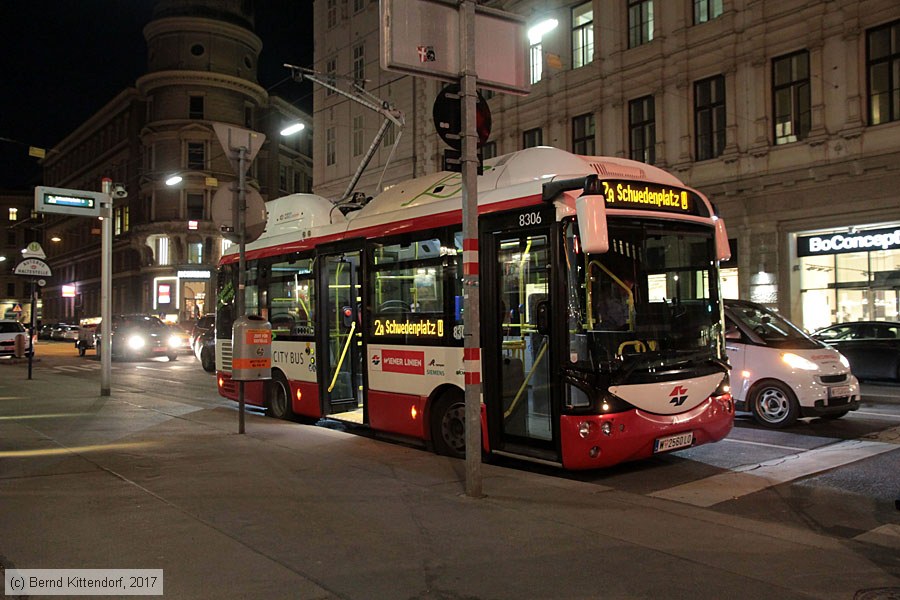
column 62, row 60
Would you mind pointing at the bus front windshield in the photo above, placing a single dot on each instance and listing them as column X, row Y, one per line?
column 649, row 304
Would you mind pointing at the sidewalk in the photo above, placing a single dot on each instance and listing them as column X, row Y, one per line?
column 291, row 511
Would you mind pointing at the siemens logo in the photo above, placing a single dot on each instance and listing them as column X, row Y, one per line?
column 840, row 243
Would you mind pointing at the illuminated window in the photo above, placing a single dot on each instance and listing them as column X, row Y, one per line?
column 883, row 62
column 640, row 22
column 583, row 135
column 13, row 214
column 537, row 61
column 707, row 10
column 195, row 253
column 709, row 117
column 582, row 34
column 642, row 129
column 791, row 97
column 161, row 245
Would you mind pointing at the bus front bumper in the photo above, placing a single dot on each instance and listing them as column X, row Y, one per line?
column 596, row 441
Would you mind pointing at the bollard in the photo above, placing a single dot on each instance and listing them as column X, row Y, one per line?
column 20, row 346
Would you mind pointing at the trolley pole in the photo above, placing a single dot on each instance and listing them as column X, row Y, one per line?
column 471, row 295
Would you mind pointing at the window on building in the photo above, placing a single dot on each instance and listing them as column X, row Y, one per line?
column 126, row 219
column 709, row 117
column 330, row 72
column 791, row 97
column 248, row 117
column 883, row 66
column 390, row 136
column 196, row 155
column 532, row 138
column 707, row 10
column 332, row 13
column 296, row 187
column 357, row 135
column 161, row 246
column 536, row 53
column 11, row 289
column 640, row 22
column 582, row 34
column 282, row 178
column 329, row 146
column 358, row 5
column 11, row 239
column 195, row 253
column 13, row 213
column 489, row 150
column 195, row 108
column 226, row 244
column 642, row 129
column 195, row 210
column 359, row 62
column 583, row 135
column 117, row 221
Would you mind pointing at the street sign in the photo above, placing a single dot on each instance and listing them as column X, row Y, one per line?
column 234, row 138
column 447, row 115
column 68, row 202
column 33, row 267
column 222, row 213
column 34, row 250
column 422, row 37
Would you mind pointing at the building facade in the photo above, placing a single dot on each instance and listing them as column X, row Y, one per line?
column 18, row 231
column 201, row 69
column 785, row 113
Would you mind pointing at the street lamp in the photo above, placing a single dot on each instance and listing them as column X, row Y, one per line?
column 174, row 179
column 293, row 128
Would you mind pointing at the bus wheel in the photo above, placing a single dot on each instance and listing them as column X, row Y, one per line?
column 448, row 424
column 774, row 404
column 279, row 397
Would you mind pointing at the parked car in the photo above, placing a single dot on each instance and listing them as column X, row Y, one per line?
column 872, row 347
column 9, row 331
column 205, row 350
column 779, row 373
column 204, row 323
column 48, row 331
column 65, row 333
column 139, row 336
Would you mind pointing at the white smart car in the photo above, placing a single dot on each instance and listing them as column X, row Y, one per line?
column 779, row 373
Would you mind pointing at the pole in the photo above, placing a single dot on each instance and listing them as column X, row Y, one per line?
column 105, row 288
column 471, row 296
column 31, row 327
column 239, row 300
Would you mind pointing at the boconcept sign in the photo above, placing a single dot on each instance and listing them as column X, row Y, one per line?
column 841, row 243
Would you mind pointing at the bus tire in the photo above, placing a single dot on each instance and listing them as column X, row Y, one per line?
column 774, row 404
column 278, row 397
column 448, row 424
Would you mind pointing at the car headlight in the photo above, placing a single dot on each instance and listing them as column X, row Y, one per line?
column 136, row 342
column 844, row 360
column 798, row 362
column 174, row 342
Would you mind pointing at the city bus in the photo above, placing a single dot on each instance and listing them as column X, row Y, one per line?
column 601, row 318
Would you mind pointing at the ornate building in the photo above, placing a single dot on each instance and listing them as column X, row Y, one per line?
column 201, row 68
column 785, row 113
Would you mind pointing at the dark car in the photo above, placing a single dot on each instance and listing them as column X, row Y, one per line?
column 205, row 350
column 204, row 323
column 872, row 347
column 140, row 336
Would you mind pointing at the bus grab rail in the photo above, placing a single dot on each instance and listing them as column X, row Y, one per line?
column 337, row 369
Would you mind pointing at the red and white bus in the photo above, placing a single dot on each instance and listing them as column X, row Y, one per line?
column 601, row 318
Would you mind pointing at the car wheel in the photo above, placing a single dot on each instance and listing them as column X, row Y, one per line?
column 208, row 360
column 279, row 397
column 774, row 404
column 448, row 424
column 172, row 356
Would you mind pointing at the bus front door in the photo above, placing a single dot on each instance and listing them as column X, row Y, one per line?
column 517, row 357
column 341, row 373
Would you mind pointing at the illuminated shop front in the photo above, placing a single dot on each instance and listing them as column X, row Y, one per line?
column 849, row 274
column 183, row 297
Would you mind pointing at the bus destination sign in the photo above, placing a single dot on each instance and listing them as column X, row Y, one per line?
column 69, row 202
column 652, row 196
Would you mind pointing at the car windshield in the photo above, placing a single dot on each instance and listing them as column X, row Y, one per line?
column 770, row 327
column 11, row 327
column 139, row 321
column 650, row 302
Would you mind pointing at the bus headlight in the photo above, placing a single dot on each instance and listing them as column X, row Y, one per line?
column 136, row 342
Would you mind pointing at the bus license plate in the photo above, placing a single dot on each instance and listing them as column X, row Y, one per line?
column 839, row 391
column 673, row 442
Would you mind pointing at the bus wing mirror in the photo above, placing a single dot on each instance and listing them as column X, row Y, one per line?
column 593, row 234
column 723, row 250
column 543, row 317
